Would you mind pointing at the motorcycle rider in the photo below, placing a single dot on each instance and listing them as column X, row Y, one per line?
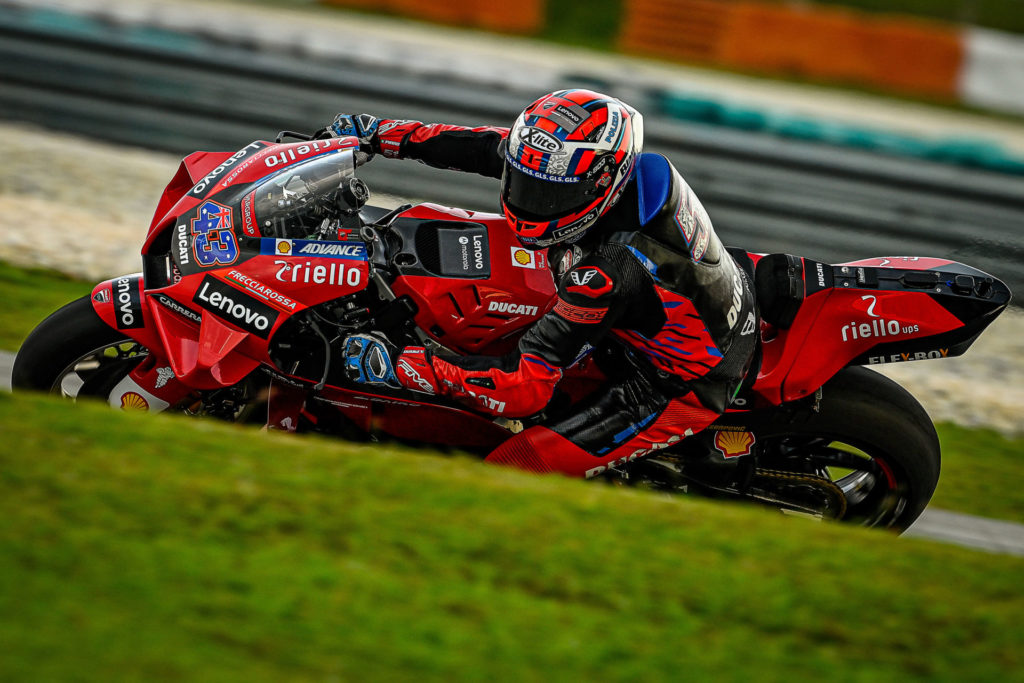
column 636, row 261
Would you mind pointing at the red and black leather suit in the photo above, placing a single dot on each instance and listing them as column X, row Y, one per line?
column 650, row 278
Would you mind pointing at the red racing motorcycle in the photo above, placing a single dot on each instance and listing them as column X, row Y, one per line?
column 259, row 263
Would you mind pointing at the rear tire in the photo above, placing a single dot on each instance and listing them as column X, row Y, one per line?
column 870, row 420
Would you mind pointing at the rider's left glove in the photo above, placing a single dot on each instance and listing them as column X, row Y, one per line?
column 369, row 360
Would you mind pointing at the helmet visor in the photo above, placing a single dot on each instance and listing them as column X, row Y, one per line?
column 538, row 197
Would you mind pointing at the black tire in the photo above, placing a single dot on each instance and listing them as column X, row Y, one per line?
column 74, row 341
column 899, row 459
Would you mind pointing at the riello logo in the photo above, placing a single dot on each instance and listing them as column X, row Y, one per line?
column 877, row 327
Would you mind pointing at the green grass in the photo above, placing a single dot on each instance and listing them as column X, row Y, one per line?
column 141, row 548
column 982, row 473
column 28, row 296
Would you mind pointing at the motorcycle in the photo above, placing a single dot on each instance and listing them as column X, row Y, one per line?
column 259, row 263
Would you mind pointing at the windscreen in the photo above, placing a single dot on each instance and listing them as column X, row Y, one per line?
column 295, row 202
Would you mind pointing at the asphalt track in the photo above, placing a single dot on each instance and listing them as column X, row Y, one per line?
column 938, row 525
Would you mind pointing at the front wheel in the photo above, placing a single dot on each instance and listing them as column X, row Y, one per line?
column 74, row 354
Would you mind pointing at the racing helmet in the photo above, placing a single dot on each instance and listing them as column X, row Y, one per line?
column 567, row 159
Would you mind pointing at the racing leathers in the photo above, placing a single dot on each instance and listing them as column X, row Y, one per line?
column 650, row 279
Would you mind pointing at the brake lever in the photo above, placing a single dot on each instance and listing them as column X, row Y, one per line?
column 292, row 134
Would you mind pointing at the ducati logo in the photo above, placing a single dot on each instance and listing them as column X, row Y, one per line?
column 580, row 279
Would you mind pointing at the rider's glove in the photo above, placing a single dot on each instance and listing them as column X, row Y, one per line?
column 362, row 126
column 368, row 360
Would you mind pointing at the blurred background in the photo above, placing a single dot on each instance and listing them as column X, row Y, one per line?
column 833, row 130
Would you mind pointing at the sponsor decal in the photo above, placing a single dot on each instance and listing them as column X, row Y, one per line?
column 489, row 403
column 511, row 308
column 570, row 258
column 749, row 325
column 733, row 444
column 406, row 369
column 464, row 252
column 877, row 327
column 128, row 395
column 733, row 315
column 576, row 314
column 321, row 274
column 263, row 291
column 200, row 188
column 684, row 219
column 183, row 311
column 236, row 307
column 540, row 139
column 182, row 232
column 389, row 125
column 102, row 296
column 637, row 454
column 580, row 278
column 524, row 258
column 248, row 221
column 573, row 228
column 817, row 276
column 133, row 401
column 589, row 281
column 613, row 127
column 909, row 356
column 299, row 152
column 537, row 174
column 569, row 117
column 213, row 242
column 700, row 244
column 693, row 222
column 332, row 250
column 128, row 303
column 163, row 376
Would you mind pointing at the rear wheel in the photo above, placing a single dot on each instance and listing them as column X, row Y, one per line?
column 865, row 453
column 871, row 440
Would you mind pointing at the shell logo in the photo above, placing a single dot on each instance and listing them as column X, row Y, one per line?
column 133, row 401
column 284, row 247
column 523, row 258
column 734, row 444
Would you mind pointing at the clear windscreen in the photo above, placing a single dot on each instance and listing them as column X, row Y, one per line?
column 296, row 201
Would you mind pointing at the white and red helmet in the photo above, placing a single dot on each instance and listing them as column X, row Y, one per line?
column 567, row 159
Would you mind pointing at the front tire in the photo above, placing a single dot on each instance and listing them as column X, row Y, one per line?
column 74, row 353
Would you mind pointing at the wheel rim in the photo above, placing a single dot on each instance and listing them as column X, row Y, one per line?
column 876, row 492
column 98, row 369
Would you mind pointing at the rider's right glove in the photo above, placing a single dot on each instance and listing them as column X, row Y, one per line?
column 368, row 360
column 362, row 126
